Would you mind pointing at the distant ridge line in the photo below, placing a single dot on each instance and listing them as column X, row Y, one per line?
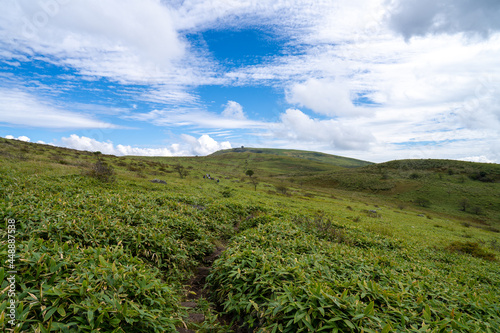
column 346, row 162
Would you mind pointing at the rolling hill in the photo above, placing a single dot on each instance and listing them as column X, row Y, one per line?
column 146, row 244
column 302, row 154
column 443, row 186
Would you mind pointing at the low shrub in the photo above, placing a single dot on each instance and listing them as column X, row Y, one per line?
column 102, row 172
column 281, row 189
column 227, row 192
column 422, row 202
column 471, row 248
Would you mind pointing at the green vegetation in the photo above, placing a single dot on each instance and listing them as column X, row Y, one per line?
column 443, row 186
column 378, row 248
column 302, row 154
column 281, row 277
column 471, row 248
column 102, row 171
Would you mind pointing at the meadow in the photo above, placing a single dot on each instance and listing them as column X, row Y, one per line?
column 309, row 242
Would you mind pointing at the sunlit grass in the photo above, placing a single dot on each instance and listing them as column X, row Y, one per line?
column 293, row 261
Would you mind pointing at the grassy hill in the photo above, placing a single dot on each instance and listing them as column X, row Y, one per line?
column 101, row 247
column 465, row 190
column 302, row 154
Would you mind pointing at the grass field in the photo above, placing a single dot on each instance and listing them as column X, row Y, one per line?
column 302, row 154
column 308, row 245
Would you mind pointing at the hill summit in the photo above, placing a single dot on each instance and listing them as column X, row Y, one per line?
column 345, row 162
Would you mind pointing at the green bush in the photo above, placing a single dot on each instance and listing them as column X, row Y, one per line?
column 422, row 202
column 471, row 248
column 102, row 172
column 281, row 189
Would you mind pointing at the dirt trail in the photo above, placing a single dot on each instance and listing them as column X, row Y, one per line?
column 195, row 290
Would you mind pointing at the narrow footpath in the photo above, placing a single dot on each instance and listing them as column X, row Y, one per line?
column 196, row 289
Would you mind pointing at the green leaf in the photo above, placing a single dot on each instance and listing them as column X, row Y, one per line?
column 298, row 316
column 61, row 310
column 335, row 319
column 387, row 328
column 427, row 313
column 321, row 310
column 49, row 313
column 308, row 324
column 115, row 321
column 348, row 323
column 358, row 317
column 90, row 315
column 369, row 311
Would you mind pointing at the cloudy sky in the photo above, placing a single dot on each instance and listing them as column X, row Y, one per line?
column 371, row 79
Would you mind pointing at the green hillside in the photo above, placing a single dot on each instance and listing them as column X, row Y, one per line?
column 302, row 154
column 465, row 190
column 135, row 244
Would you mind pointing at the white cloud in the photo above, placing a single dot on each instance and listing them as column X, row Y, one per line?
column 20, row 138
column 479, row 159
column 297, row 126
column 189, row 146
column 88, row 144
column 24, row 109
column 195, row 117
column 170, row 95
column 323, row 96
column 233, row 110
column 287, row 14
column 422, row 17
column 204, row 145
column 124, row 40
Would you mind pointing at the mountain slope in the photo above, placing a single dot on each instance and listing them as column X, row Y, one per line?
column 467, row 190
column 116, row 256
column 303, row 154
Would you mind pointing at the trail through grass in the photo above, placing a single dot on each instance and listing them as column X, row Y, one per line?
column 129, row 255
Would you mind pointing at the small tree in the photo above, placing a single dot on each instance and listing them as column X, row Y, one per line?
column 254, row 183
column 249, row 173
column 423, row 202
column 101, row 170
column 477, row 210
column 281, row 188
column 415, row 175
column 464, row 204
column 181, row 170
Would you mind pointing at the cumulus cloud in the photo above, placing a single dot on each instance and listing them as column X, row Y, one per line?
column 88, row 144
column 421, row 17
column 323, row 96
column 22, row 108
column 479, row 159
column 204, row 145
column 20, row 138
column 125, row 40
column 233, row 110
column 297, row 126
column 189, row 146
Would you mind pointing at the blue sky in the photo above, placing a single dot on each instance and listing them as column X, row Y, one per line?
column 371, row 79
